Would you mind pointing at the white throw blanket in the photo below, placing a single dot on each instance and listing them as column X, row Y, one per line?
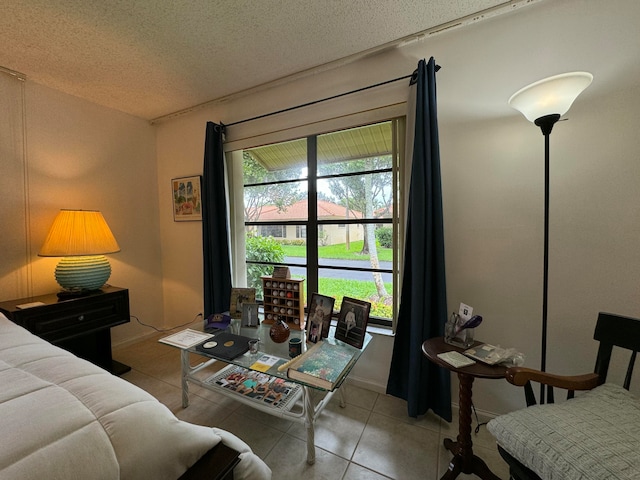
column 64, row 418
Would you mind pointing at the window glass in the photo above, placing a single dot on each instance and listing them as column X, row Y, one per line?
column 353, row 173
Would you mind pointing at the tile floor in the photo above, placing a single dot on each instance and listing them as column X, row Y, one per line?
column 371, row 438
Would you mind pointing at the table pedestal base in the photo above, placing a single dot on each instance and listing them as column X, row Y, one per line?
column 464, row 461
column 474, row 464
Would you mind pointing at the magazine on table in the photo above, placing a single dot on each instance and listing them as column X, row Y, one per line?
column 257, row 386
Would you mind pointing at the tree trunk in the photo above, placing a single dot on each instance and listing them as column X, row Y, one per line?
column 370, row 239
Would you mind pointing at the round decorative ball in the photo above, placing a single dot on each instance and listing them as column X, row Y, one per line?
column 279, row 332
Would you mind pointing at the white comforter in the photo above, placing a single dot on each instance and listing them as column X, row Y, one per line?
column 64, row 418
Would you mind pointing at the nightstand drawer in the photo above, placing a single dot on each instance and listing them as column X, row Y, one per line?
column 79, row 316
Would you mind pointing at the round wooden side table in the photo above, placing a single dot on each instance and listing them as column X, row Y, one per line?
column 463, row 461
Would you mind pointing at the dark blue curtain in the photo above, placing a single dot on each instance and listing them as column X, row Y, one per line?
column 423, row 302
column 215, row 232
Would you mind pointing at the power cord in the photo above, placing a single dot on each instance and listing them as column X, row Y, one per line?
column 477, row 429
column 166, row 329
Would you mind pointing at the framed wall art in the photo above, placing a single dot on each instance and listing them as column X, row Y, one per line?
column 352, row 321
column 187, row 198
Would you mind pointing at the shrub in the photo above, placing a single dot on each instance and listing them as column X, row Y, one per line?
column 384, row 235
column 261, row 249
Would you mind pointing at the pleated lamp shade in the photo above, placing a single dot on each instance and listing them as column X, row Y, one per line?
column 82, row 237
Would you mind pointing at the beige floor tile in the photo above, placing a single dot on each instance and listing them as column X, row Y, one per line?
column 397, row 449
column 358, row 472
column 203, row 412
column 166, row 393
column 260, row 437
column 397, row 408
column 288, row 461
column 277, row 423
column 359, row 396
column 337, row 429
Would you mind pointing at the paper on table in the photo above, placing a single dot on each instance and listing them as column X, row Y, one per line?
column 186, row 338
column 264, row 363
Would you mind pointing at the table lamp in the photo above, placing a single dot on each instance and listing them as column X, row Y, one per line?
column 81, row 237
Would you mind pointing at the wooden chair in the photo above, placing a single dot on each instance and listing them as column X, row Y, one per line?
column 611, row 331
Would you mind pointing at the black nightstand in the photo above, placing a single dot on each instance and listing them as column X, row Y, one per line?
column 80, row 325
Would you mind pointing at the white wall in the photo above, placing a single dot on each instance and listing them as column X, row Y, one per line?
column 80, row 155
column 492, row 164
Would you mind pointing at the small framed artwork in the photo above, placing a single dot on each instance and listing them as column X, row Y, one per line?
column 319, row 311
column 249, row 315
column 352, row 321
column 187, row 198
column 314, row 331
column 239, row 296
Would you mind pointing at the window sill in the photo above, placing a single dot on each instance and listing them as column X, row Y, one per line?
column 374, row 329
column 380, row 330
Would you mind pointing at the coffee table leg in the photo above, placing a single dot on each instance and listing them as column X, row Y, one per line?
column 185, row 365
column 309, row 418
column 343, row 400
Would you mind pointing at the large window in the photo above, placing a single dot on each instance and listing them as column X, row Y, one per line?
column 324, row 206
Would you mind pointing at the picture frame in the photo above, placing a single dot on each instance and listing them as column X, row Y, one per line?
column 352, row 321
column 238, row 297
column 250, row 315
column 314, row 332
column 187, row 198
column 281, row 272
column 319, row 312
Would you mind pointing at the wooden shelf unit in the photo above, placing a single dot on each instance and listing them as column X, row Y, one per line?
column 284, row 297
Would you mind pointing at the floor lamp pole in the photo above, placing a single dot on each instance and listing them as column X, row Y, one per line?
column 546, row 124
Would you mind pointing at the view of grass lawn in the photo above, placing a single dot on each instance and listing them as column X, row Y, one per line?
column 339, row 251
column 339, row 288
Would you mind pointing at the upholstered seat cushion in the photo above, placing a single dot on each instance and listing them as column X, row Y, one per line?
column 594, row 436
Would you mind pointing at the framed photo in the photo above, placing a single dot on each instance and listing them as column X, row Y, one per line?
column 187, row 199
column 239, row 296
column 249, row 315
column 314, row 332
column 352, row 321
column 319, row 312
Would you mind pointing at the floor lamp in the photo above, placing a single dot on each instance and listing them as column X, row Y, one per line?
column 543, row 103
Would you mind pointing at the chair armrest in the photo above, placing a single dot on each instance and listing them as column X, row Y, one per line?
column 520, row 376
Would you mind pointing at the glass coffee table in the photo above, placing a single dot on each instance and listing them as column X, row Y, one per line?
column 300, row 404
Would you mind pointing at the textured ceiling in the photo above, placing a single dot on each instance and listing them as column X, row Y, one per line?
column 151, row 58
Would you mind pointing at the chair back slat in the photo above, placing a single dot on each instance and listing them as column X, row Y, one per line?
column 619, row 331
column 632, row 362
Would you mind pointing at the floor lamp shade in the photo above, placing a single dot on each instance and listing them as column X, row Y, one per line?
column 549, row 96
column 82, row 238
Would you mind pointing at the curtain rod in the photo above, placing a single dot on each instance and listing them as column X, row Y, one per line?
column 317, row 101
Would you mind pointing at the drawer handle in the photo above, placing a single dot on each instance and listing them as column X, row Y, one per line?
column 81, row 318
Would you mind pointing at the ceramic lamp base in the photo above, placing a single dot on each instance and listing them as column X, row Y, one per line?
column 83, row 273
